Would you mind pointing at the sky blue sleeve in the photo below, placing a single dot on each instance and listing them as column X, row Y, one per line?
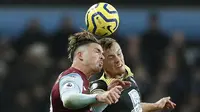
column 70, row 87
column 71, row 83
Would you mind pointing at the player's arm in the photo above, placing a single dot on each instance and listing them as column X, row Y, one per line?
column 149, row 107
column 98, row 87
column 70, row 87
column 163, row 103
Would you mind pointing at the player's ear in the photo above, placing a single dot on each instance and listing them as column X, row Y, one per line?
column 80, row 55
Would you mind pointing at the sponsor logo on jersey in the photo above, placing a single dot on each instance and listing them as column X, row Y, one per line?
column 135, row 98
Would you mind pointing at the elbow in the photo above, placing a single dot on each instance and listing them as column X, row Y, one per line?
column 68, row 102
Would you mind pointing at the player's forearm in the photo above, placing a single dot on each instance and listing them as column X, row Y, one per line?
column 78, row 100
column 149, row 107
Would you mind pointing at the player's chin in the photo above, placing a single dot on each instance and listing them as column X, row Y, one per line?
column 98, row 68
column 121, row 70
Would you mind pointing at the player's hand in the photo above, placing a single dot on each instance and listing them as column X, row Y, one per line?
column 118, row 82
column 111, row 96
column 165, row 103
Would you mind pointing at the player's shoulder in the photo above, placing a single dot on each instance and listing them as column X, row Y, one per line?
column 98, row 85
column 131, row 79
column 70, row 79
column 71, row 76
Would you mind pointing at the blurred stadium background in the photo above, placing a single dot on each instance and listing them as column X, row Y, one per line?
column 160, row 41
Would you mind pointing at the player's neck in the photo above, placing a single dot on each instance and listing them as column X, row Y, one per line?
column 83, row 69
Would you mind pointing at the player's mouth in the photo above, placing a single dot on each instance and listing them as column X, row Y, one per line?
column 101, row 63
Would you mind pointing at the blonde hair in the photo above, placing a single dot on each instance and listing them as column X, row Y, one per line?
column 80, row 39
column 106, row 42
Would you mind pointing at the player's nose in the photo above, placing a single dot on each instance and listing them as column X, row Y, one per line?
column 117, row 59
column 102, row 57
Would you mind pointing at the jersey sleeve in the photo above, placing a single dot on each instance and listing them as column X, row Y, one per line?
column 70, row 88
column 71, row 83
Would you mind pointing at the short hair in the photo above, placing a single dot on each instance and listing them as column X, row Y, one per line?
column 106, row 42
column 79, row 39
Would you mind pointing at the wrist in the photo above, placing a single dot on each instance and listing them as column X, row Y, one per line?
column 149, row 107
column 156, row 106
column 97, row 98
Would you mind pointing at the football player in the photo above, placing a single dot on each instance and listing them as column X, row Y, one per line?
column 70, row 92
column 114, row 68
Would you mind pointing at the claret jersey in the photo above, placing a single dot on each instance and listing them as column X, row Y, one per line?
column 68, row 81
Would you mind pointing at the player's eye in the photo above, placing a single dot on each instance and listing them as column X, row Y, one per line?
column 110, row 57
column 119, row 54
column 97, row 51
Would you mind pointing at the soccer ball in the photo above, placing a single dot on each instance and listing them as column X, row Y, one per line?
column 102, row 19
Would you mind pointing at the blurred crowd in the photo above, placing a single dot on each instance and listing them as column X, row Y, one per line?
column 120, row 2
column 163, row 64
